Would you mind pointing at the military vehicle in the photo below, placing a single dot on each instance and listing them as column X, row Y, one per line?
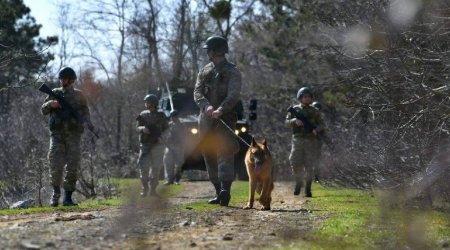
column 182, row 100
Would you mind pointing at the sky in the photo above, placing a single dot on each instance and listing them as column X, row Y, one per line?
column 42, row 11
column 46, row 13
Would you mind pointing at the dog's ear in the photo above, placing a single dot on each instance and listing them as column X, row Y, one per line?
column 264, row 142
column 253, row 142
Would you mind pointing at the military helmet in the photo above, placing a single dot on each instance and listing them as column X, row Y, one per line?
column 151, row 98
column 67, row 73
column 216, row 43
column 302, row 91
column 317, row 105
column 173, row 113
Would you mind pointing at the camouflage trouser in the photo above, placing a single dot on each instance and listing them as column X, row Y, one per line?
column 219, row 147
column 150, row 162
column 304, row 157
column 64, row 151
column 173, row 161
column 319, row 164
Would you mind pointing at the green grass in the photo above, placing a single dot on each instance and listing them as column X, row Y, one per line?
column 357, row 219
column 87, row 205
column 126, row 188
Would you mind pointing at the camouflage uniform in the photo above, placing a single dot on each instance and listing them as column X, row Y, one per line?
column 305, row 145
column 218, row 86
column 151, row 149
column 174, row 153
column 65, row 136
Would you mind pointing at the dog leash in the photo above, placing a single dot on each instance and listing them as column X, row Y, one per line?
column 232, row 131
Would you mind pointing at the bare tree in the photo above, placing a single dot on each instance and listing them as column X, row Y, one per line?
column 144, row 25
column 98, row 22
column 179, row 42
column 64, row 23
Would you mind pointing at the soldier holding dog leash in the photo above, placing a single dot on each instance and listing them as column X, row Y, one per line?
column 216, row 93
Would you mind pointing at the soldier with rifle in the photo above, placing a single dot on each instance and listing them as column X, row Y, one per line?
column 307, row 124
column 68, row 116
column 150, row 124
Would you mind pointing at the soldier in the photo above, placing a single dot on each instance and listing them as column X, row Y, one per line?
column 174, row 153
column 306, row 123
column 150, row 125
column 65, row 136
column 216, row 93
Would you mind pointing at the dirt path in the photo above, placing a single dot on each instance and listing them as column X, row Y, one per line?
column 144, row 225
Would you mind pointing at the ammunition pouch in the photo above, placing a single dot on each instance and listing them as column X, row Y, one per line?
column 57, row 122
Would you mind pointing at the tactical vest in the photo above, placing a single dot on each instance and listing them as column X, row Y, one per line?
column 156, row 122
column 216, row 87
column 309, row 113
column 62, row 120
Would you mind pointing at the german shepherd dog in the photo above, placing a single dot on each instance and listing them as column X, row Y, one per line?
column 260, row 171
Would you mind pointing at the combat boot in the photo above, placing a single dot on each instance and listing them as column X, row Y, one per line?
column 216, row 199
column 145, row 188
column 225, row 193
column 177, row 179
column 55, row 197
column 308, row 189
column 67, row 201
column 298, row 187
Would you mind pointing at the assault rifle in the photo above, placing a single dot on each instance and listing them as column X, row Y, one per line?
column 155, row 132
column 307, row 126
column 67, row 109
